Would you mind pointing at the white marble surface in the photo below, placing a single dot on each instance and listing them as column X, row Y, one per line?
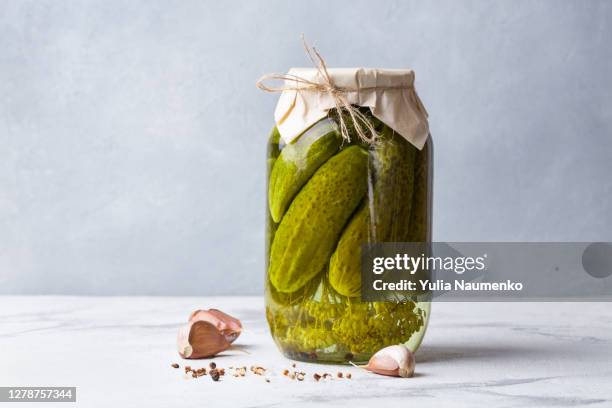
column 118, row 352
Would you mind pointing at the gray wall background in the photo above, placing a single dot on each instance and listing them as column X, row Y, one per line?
column 132, row 137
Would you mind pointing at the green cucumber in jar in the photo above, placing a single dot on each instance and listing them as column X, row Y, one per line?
column 309, row 231
column 297, row 162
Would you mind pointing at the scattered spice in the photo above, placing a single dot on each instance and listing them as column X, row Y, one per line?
column 216, row 372
column 258, row 370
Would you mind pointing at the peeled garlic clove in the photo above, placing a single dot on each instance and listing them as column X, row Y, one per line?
column 200, row 339
column 397, row 361
column 383, row 364
column 229, row 326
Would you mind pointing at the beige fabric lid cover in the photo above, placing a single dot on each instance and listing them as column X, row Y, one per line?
column 389, row 93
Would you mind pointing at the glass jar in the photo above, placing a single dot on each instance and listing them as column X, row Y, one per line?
column 327, row 196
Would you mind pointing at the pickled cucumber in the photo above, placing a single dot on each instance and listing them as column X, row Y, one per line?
column 298, row 161
column 419, row 216
column 389, row 205
column 345, row 263
column 392, row 183
column 274, row 150
column 273, row 147
column 309, row 231
column 296, row 297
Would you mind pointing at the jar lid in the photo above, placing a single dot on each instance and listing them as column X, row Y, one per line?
column 389, row 93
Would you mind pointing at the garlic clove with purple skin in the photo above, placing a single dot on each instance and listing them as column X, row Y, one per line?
column 229, row 326
column 395, row 361
column 200, row 339
column 234, row 326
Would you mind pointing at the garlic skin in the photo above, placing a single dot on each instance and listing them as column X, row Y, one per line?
column 229, row 326
column 200, row 339
column 395, row 361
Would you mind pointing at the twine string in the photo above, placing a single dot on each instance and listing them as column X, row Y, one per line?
column 362, row 125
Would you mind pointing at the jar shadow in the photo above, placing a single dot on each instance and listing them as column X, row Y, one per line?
column 443, row 353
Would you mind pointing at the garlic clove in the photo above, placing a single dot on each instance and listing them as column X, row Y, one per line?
column 383, row 364
column 200, row 339
column 396, row 361
column 232, row 322
column 229, row 326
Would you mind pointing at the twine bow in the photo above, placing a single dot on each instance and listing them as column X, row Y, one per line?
column 362, row 125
